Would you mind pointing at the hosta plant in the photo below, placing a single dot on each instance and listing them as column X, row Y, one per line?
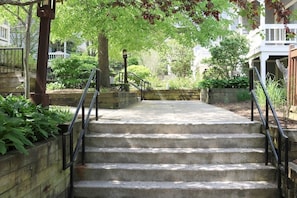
column 23, row 123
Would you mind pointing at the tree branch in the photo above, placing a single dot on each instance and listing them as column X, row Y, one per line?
column 19, row 3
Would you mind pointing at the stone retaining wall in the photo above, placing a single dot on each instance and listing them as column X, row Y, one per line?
column 172, row 95
column 109, row 100
column 223, row 95
column 39, row 174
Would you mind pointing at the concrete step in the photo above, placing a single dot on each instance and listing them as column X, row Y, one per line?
column 209, row 160
column 174, row 155
column 241, row 140
column 175, row 172
column 102, row 126
column 176, row 189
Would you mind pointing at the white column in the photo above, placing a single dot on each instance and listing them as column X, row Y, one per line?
column 251, row 62
column 263, row 58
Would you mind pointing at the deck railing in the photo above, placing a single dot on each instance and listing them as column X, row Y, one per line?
column 58, row 54
column 272, row 34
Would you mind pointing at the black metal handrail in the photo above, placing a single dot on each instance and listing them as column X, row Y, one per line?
column 142, row 86
column 68, row 162
column 11, row 59
column 282, row 138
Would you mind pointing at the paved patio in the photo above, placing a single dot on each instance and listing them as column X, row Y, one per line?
column 167, row 111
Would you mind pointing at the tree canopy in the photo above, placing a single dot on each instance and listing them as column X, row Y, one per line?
column 141, row 24
column 228, row 57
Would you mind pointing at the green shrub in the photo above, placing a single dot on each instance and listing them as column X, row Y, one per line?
column 54, row 86
column 73, row 72
column 180, row 83
column 23, row 123
column 140, row 71
column 236, row 82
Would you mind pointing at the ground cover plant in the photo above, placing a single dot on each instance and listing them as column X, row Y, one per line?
column 23, row 123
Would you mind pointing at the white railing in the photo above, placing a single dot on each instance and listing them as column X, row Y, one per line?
column 272, row 34
column 277, row 34
column 4, row 34
column 58, row 54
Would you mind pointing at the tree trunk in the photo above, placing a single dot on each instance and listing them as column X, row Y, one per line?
column 103, row 60
column 27, row 52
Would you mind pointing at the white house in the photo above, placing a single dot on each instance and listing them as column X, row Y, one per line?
column 4, row 35
column 270, row 42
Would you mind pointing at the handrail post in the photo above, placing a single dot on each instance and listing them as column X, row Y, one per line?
column 287, row 161
column 267, row 114
column 98, row 89
column 83, row 137
column 251, row 78
column 71, row 161
column 23, row 62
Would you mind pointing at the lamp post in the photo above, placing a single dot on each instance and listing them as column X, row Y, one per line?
column 125, row 56
column 46, row 12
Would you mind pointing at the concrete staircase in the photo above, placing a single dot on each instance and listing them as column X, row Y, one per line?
column 174, row 161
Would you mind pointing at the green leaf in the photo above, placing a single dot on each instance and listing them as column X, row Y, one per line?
column 3, row 149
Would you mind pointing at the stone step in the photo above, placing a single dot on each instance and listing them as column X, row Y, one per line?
column 102, row 126
column 175, row 172
column 176, row 189
column 174, row 155
column 241, row 140
column 167, row 160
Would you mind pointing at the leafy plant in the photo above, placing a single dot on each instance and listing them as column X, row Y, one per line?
column 73, row 72
column 236, row 82
column 177, row 56
column 275, row 91
column 54, row 86
column 229, row 56
column 23, row 123
column 180, row 83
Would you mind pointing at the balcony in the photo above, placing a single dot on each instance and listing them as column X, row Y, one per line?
column 272, row 38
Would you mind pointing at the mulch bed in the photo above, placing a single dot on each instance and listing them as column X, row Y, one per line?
column 243, row 109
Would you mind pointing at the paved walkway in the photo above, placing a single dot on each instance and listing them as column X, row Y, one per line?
column 167, row 111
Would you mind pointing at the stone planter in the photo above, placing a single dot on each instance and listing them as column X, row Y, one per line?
column 38, row 174
column 223, row 95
